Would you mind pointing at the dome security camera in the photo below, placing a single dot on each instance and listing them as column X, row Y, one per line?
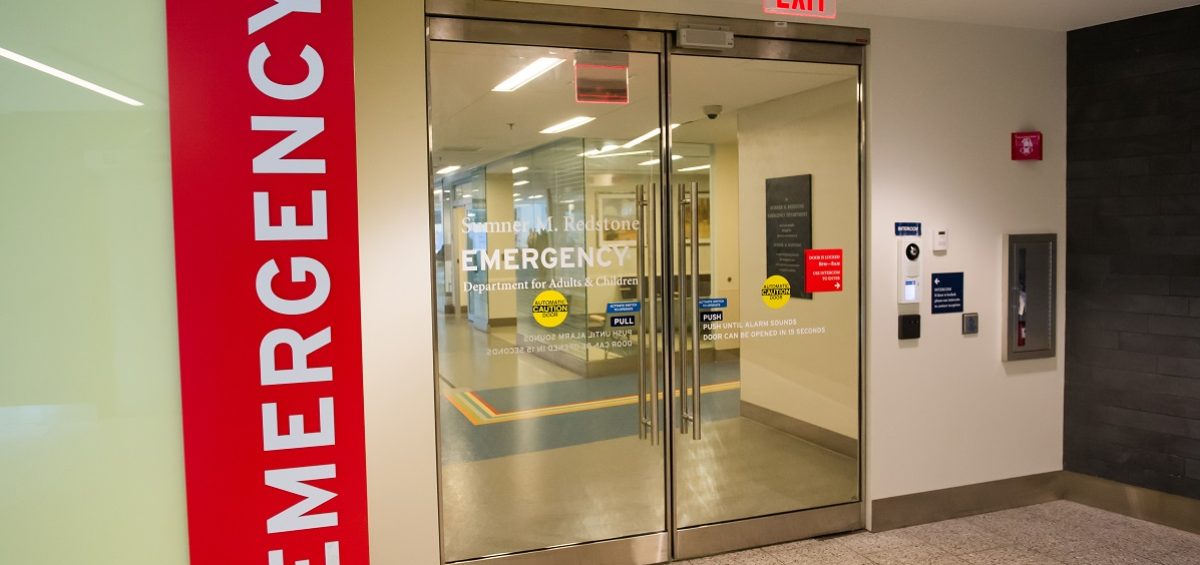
column 713, row 111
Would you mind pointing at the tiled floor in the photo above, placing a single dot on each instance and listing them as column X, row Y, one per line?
column 1048, row 534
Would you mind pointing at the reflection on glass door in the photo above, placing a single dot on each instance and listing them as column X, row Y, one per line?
column 766, row 195
column 544, row 160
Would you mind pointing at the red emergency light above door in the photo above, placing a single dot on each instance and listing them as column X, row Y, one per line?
column 826, row 9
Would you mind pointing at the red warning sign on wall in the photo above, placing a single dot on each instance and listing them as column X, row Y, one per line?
column 826, row 9
column 823, row 270
column 267, row 279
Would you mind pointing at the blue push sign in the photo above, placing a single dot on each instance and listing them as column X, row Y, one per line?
column 947, row 293
column 908, row 229
column 624, row 307
column 713, row 303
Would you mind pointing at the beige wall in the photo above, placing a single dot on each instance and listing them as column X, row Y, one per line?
column 812, row 378
column 396, row 301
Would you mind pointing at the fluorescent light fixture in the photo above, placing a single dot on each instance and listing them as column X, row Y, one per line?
column 448, row 170
column 696, row 168
column 625, row 154
column 536, row 196
column 67, row 77
column 638, row 140
column 520, row 170
column 649, row 163
column 521, row 183
column 676, row 157
column 609, row 148
column 437, row 192
column 569, row 124
column 527, row 74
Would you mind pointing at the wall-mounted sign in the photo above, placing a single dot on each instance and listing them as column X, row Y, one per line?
column 1027, row 146
column 947, row 293
column 789, row 228
column 713, row 303
column 267, row 281
column 825, row 9
column 908, row 229
column 823, row 270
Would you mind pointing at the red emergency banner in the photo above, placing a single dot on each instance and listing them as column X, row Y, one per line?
column 266, row 243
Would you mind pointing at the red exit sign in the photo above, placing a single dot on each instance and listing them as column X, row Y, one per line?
column 802, row 8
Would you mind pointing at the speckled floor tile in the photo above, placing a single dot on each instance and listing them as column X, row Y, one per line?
column 867, row 543
column 1055, row 533
column 921, row 554
column 956, row 537
column 818, row 553
column 1008, row 556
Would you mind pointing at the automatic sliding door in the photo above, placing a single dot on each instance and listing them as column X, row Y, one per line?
column 765, row 176
column 545, row 160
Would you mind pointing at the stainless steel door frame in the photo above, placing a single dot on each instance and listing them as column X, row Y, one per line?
column 505, row 10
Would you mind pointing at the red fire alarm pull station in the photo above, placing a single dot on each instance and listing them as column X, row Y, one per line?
column 1027, row 146
column 826, row 9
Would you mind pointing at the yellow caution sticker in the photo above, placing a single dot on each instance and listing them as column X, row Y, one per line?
column 776, row 292
column 550, row 309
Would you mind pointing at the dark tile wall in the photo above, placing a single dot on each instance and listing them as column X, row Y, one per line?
column 1133, row 252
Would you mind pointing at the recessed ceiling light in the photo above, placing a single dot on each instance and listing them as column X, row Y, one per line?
column 676, row 157
column 649, row 163
column 521, row 183
column 625, row 154
column 696, row 168
column 569, row 124
column 638, row 140
column 448, row 170
column 527, row 74
column 520, row 170
column 38, row 66
column 536, row 196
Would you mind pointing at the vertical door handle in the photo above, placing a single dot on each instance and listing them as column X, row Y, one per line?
column 687, row 417
column 695, row 311
column 643, row 421
column 653, row 311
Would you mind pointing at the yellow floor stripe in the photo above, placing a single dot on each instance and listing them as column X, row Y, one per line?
column 480, row 414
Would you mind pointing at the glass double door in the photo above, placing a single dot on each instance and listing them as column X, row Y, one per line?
column 647, row 286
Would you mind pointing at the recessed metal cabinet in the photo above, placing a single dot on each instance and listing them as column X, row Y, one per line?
column 1031, row 316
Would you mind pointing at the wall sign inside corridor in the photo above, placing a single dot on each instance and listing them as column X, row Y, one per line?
column 789, row 229
column 825, row 9
column 266, row 242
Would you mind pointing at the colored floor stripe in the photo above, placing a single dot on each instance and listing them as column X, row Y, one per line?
column 476, row 410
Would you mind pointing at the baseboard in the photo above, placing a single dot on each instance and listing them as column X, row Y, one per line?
column 1159, row 507
column 1142, row 503
column 969, row 500
column 501, row 322
column 823, row 437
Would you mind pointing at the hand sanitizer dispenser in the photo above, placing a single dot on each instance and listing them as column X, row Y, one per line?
column 909, row 270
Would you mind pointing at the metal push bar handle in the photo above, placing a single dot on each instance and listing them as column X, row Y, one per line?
column 685, row 406
column 695, row 310
column 643, row 422
column 653, row 310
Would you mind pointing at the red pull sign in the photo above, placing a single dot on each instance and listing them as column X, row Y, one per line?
column 826, row 9
column 1027, row 146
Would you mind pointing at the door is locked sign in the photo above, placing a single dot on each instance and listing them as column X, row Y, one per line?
column 823, row 270
column 825, row 9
